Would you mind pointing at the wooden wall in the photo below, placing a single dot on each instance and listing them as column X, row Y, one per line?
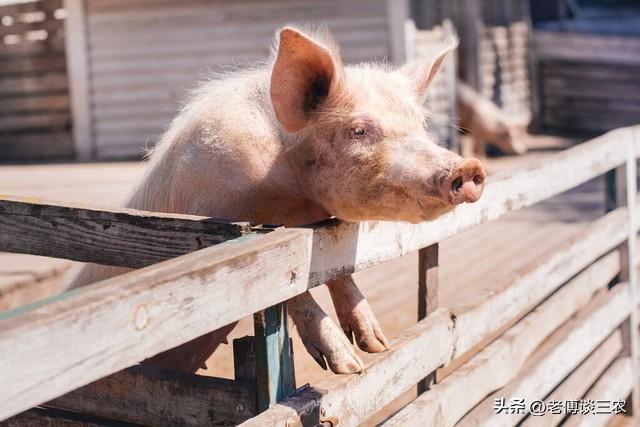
column 144, row 56
column 588, row 83
column 35, row 120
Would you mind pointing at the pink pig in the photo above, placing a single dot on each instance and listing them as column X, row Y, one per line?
column 296, row 141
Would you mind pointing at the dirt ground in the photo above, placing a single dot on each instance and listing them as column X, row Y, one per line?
column 472, row 263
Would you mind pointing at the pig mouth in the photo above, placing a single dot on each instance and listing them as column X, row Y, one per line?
column 433, row 208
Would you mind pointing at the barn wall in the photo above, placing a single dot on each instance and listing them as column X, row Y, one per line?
column 143, row 56
column 588, row 83
column 35, row 119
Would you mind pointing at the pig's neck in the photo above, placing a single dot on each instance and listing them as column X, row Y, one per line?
column 209, row 167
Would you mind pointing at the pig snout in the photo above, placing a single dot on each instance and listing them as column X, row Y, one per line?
column 465, row 182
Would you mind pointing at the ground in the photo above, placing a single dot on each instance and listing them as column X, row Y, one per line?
column 471, row 263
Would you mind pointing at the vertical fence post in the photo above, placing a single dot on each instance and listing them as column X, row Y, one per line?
column 427, row 294
column 621, row 190
column 275, row 377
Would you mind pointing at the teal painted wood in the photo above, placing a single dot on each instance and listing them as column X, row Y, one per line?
column 275, row 376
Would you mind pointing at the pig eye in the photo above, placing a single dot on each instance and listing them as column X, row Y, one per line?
column 359, row 132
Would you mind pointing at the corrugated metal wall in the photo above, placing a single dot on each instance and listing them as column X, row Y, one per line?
column 145, row 55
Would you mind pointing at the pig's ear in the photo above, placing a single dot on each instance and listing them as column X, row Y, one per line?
column 302, row 75
column 422, row 71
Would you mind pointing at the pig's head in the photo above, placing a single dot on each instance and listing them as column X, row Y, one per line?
column 510, row 138
column 357, row 138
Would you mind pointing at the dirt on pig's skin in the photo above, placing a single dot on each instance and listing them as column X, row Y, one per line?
column 298, row 140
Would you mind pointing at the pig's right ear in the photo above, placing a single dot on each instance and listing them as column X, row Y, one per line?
column 421, row 72
column 302, row 75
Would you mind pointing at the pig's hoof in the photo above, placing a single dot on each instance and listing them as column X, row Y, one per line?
column 359, row 321
column 328, row 346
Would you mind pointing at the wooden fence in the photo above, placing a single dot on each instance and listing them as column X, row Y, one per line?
column 560, row 328
column 35, row 118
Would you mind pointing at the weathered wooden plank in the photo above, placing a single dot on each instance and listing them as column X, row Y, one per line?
column 152, row 396
column 558, row 357
column 447, row 402
column 56, row 418
column 346, row 399
column 111, row 325
column 615, row 384
column 54, row 81
column 38, row 103
column 32, row 64
column 342, row 248
column 38, row 121
column 121, row 237
column 583, row 377
column 46, row 144
column 50, row 25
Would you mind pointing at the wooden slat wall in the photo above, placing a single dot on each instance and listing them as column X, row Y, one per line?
column 145, row 55
column 35, row 120
column 588, row 83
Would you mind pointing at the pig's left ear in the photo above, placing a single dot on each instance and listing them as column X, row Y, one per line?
column 303, row 73
column 422, row 71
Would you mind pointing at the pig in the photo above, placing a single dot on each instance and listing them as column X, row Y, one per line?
column 484, row 122
column 297, row 140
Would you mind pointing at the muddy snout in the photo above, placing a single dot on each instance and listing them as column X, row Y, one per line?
column 465, row 183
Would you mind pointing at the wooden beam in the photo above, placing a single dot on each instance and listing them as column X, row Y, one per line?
column 120, row 237
column 68, row 341
column 557, row 358
column 427, row 294
column 397, row 15
column 151, row 396
column 499, row 362
column 275, row 375
column 77, row 46
column 579, row 381
column 615, row 384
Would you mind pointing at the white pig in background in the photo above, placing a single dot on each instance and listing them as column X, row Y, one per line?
column 298, row 140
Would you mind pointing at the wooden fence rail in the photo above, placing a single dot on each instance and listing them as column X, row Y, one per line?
column 65, row 342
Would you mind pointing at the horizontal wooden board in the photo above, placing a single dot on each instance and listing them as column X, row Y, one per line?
column 27, row 7
column 38, row 103
column 38, row 120
column 126, row 238
column 145, row 395
column 48, row 144
column 32, row 65
column 152, row 310
column 33, row 84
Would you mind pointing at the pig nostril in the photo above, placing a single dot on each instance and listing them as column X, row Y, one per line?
column 456, row 185
column 478, row 179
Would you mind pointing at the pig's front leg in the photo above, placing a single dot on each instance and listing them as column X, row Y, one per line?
column 355, row 315
column 322, row 338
